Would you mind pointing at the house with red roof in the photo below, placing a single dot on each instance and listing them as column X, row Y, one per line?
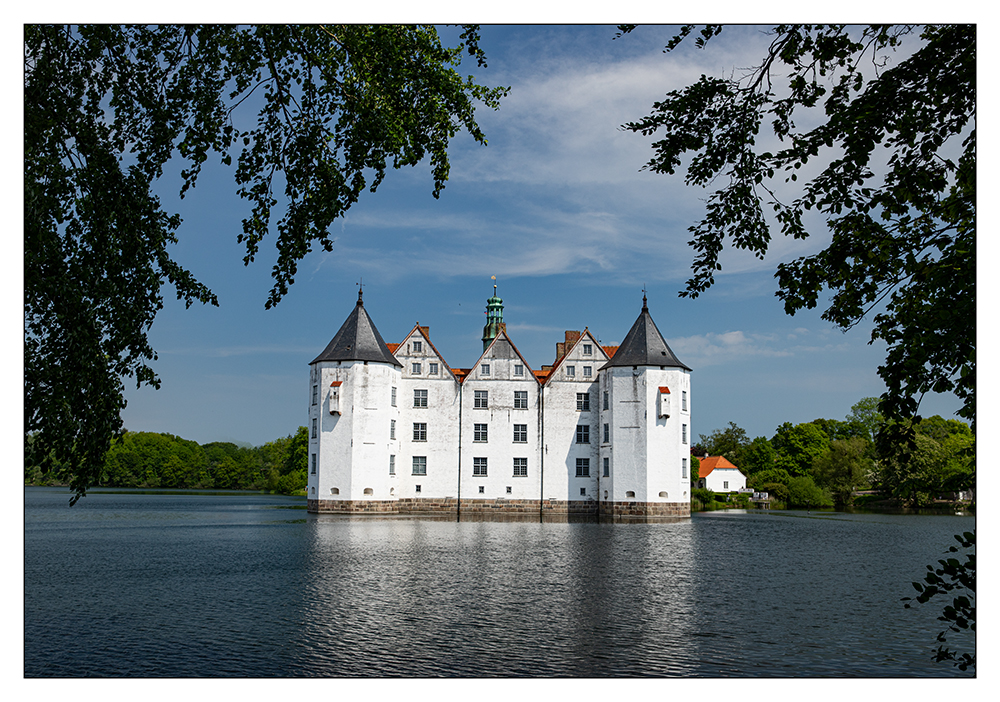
column 718, row 474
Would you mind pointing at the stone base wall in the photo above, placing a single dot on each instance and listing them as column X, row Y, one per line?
column 509, row 510
column 632, row 511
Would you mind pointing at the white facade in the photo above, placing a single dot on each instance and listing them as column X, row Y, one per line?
column 397, row 429
column 724, row 480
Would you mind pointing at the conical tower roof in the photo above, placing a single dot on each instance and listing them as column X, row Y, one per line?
column 644, row 346
column 357, row 340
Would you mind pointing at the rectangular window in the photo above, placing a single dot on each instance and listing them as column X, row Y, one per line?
column 607, row 467
column 588, row 349
column 518, row 369
column 509, row 490
column 684, row 400
column 315, row 394
column 433, row 370
column 482, row 399
column 419, row 398
column 417, row 489
column 392, row 428
column 583, row 467
column 480, row 433
column 571, row 371
column 420, row 431
column 583, row 492
column 393, row 398
column 587, row 371
column 418, row 346
column 520, row 467
column 583, row 402
column 520, row 399
column 419, row 466
column 482, row 489
column 479, row 467
column 314, row 429
column 312, row 464
column 684, row 467
column 725, row 484
column 684, row 433
column 582, row 434
column 605, row 400
column 415, row 368
column 392, row 464
column 607, row 433
column 520, row 433
column 484, row 369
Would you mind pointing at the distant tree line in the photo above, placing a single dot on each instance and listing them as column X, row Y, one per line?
column 152, row 460
column 825, row 462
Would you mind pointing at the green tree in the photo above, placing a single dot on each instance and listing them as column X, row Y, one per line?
column 896, row 185
column 797, row 446
column 953, row 575
column 843, row 469
column 728, row 442
column 695, row 469
column 865, row 414
column 106, row 107
column 757, row 456
column 803, row 492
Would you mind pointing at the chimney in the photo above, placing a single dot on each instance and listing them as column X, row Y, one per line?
column 426, row 331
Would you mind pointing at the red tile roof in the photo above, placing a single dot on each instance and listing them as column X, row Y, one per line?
column 610, row 350
column 711, row 463
column 664, row 390
column 393, row 347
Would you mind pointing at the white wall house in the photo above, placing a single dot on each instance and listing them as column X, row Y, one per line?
column 602, row 433
column 718, row 474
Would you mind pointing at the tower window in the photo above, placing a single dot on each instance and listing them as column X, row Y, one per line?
column 684, row 400
column 583, row 467
column 684, row 433
column 520, row 467
column 479, row 468
column 419, row 467
column 314, row 428
column 684, row 467
column 392, row 428
column 392, row 464
column 312, row 468
column 607, row 433
column 315, row 394
column 582, row 434
column 605, row 400
column 607, row 467
column 393, row 398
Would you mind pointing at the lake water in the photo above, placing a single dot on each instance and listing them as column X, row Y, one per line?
column 185, row 585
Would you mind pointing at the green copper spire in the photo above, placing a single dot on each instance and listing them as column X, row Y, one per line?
column 494, row 318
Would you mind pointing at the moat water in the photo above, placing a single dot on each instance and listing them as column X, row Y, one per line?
column 186, row 585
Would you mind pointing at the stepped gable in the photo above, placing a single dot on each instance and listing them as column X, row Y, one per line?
column 644, row 346
column 358, row 340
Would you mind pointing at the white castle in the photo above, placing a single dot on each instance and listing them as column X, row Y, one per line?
column 603, row 433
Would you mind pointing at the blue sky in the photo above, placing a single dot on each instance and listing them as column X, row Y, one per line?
column 557, row 208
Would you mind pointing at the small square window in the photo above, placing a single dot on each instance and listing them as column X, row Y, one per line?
column 583, row 492
column 509, row 490
column 583, row 402
column 418, row 346
column 482, row 489
column 520, row 399
column 587, row 371
column 417, row 488
column 482, row 399
column 588, row 350
column 419, row 398
column 433, row 369
column 518, row 369
column 480, row 433
column 484, row 369
column 571, row 371
column 415, row 368
column 582, row 434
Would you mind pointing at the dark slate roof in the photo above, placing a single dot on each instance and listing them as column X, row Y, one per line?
column 644, row 346
column 357, row 340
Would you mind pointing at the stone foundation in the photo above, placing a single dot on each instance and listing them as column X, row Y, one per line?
column 632, row 511
column 508, row 510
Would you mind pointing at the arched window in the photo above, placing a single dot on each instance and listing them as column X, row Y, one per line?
column 629, row 493
column 662, row 493
column 334, row 491
column 369, row 491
